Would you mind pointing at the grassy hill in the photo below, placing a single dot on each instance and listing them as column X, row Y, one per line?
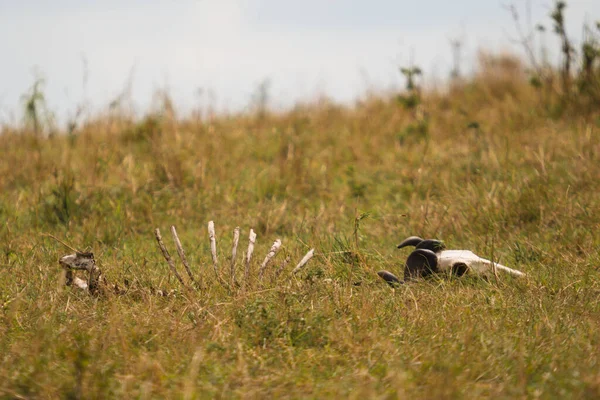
column 494, row 165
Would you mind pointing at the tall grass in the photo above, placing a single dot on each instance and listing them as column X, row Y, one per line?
column 495, row 173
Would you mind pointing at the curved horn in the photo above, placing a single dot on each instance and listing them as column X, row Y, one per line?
column 410, row 241
column 421, row 262
column 432, row 244
column 390, row 278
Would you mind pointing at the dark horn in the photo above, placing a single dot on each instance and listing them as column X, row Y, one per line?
column 420, row 263
column 432, row 244
column 410, row 241
column 390, row 278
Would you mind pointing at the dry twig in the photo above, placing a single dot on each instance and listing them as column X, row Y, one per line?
column 181, row 253
column 167, row 256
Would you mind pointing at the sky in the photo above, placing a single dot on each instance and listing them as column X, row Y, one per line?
column 217, row 52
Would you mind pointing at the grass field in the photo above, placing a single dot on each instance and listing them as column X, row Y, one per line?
column 487, row 166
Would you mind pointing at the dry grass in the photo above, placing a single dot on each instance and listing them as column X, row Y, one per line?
column 493, row 174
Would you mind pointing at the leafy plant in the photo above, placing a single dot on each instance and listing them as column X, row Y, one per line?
column 37, row 116
column 579, row 89
column 411, row 101
column 60, row 206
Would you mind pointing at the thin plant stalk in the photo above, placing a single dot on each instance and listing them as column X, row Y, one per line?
column 167, row 256
column 182, row 253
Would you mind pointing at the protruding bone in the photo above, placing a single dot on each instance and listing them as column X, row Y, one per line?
column 304, row 261
column 274, row 249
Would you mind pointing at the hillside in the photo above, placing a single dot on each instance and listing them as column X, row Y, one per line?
column 492, row 164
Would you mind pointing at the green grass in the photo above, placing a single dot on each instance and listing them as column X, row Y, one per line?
column 492, row 172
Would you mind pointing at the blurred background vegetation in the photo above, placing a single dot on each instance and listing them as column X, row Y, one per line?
column 505, row 162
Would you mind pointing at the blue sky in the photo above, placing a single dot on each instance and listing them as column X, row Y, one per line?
column 89, row 50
